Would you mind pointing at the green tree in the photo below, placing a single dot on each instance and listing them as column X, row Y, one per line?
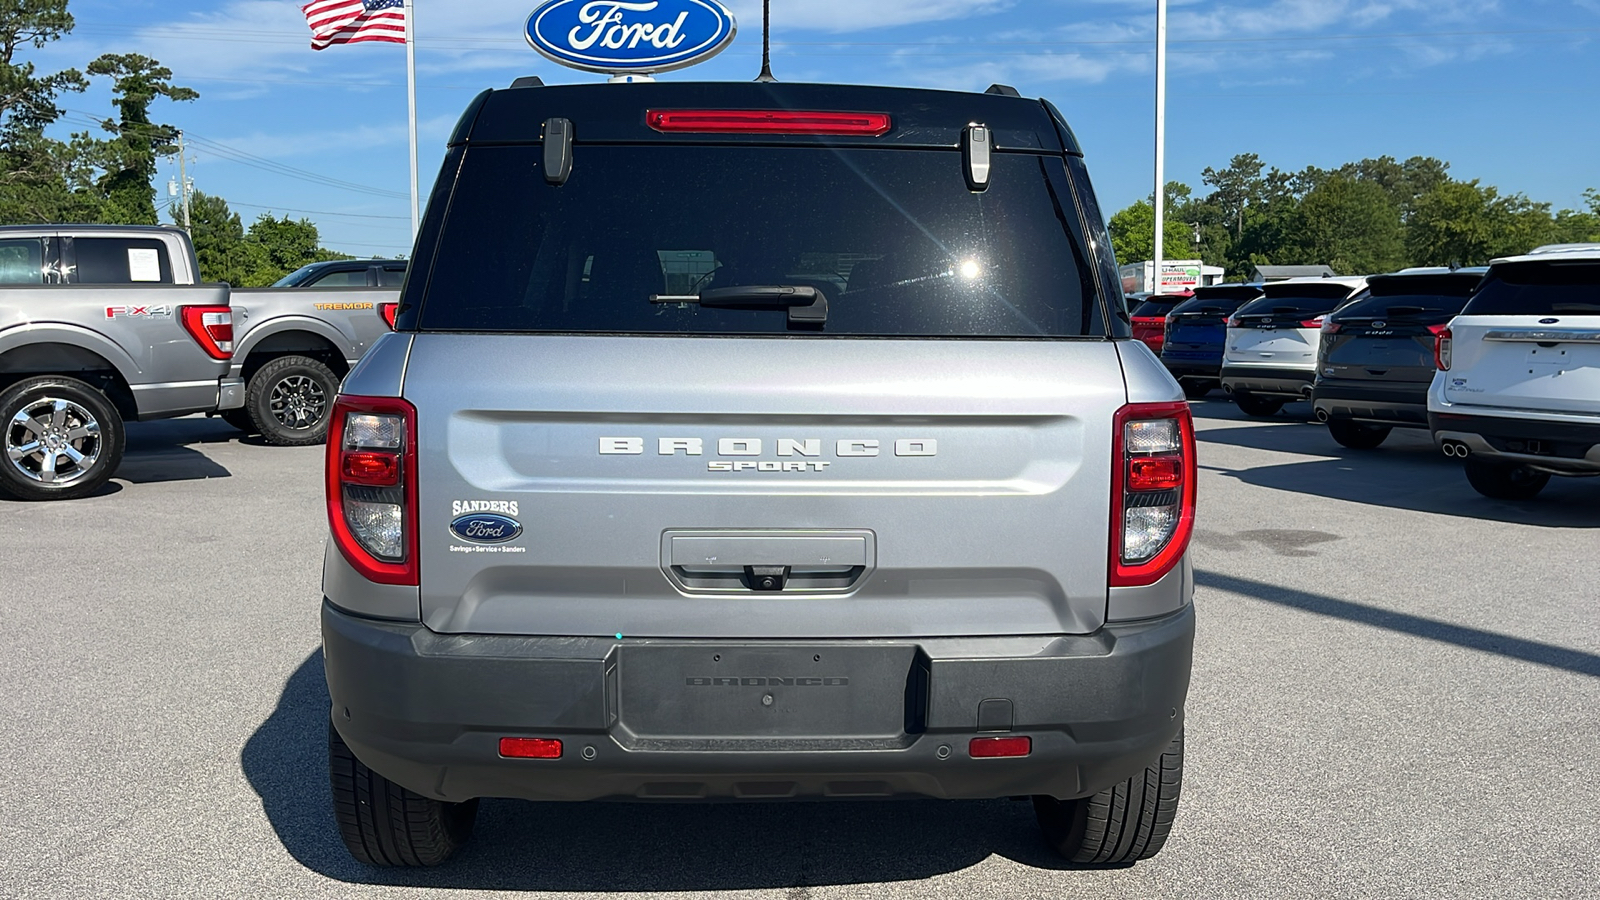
column 1133, row 229
column 41, row 179
column 219, row 240
column 129, row 159
column 1470, row 223
column 1350, row 224
column 1236, row 188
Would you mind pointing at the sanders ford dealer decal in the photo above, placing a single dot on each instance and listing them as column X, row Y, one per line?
column 637, row 36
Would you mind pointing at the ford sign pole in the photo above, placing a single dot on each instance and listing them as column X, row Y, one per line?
column 1160, row 196
column 411, row 100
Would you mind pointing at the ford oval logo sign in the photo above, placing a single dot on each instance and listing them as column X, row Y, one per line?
column 486, row 528
column 630, row 36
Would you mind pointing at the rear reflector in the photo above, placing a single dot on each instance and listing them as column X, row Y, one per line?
column 999, row 747
column 530, row 748
column 762, row 121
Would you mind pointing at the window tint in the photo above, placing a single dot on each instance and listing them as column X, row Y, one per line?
column 1210, row 303
column 1299, row 300
column 122, row 261
column 1539, row 289
column 22, row 261
column 391, row 276
column 348, row 278
column 1426, row 297
column 1157, row 308
column 892, row 238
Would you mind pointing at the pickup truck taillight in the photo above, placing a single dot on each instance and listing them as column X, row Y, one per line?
column 1153, row 491
column 372, row 486
column 211, row 327
column 1442, row 349
column 389, row 311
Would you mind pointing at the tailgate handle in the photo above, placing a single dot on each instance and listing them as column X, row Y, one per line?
column 768, row 561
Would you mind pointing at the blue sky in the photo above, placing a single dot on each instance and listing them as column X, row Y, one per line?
column 1502, row 89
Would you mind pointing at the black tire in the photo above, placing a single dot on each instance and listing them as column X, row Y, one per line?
column 289, row 400
column 75, row 408
column 1260, row 407
column 240, row 419
column 1357, row 436
column 1503, row 482
column 1121, row 824
column 1196, row 390
column 383, row 824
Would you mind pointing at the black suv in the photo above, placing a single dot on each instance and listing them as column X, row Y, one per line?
column 1197, row 331
column 1376, row 358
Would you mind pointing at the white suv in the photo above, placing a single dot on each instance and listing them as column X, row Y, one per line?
column 1517, row 394
column 1271, row 353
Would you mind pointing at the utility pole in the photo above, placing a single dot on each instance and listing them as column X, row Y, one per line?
column 184, row 184
column 1160, row 199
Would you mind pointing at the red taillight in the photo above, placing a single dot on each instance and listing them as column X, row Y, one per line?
column 530, row 748
column 1153, row 491
column 1443, row 349
column 999, row 747
column 1157, row 473
column 211, row 327
column 1435, row 330
column 764, row 121
column 1231, row 322
column 372, row 468
column 1313, row 323
column 389, row 311
column 1330, row 327
column 371, row 475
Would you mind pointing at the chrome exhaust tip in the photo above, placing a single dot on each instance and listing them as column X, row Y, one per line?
column 1322, row 416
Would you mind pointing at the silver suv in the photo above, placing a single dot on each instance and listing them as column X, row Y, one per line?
column 755, row 441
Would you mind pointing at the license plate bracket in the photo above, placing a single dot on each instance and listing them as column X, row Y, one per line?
column 764, row 691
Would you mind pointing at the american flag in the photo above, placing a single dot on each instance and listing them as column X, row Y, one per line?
column 353, row 21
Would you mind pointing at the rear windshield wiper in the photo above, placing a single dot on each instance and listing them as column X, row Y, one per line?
column 806, row 304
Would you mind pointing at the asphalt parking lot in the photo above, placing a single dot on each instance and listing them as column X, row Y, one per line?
column 1395, row 695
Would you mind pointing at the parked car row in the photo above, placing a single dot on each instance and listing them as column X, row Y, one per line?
column 1501, row 364
column 104, row 324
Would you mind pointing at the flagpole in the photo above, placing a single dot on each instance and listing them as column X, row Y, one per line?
column 411, row 100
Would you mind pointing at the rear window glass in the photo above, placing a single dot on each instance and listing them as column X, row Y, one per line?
column 1212, row 303
column 892, row 238
column 391, row 277
column 1155, row 308
column 1436, row 297
column 22, row 261
column 1302, row 299
column 121, row 261
column 1539, row 289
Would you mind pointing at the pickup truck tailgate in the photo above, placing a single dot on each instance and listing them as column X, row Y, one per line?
column 893, row 488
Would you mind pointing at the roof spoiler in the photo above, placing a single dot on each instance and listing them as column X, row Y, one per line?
column 528, row 81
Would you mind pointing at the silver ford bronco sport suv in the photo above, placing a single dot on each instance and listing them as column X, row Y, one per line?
column 755, row 441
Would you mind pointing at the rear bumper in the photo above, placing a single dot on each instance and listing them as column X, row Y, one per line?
column 1207, row 369
column 427, row 711
column 1387, row 402
column 1557, row 447
column 1269, row 380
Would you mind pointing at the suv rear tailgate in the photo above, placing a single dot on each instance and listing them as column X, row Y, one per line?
column 986, row 465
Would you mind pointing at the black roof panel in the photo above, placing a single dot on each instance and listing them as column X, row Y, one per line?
column 605, row 113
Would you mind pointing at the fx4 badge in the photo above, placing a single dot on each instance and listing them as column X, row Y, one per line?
column 138, row 312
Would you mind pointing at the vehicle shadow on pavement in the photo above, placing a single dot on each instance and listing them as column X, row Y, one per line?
column 1407, row 472
column 634, row 847
column 164, row 450
column 1418, row 626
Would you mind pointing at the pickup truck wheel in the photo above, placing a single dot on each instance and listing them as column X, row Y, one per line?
column 63, row 439
column 289, row 399
column 1504, row 482
column 1196, row 390
column 1357, row 436
column 383, row 824
column 1260, row 407
column 1123, row 823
